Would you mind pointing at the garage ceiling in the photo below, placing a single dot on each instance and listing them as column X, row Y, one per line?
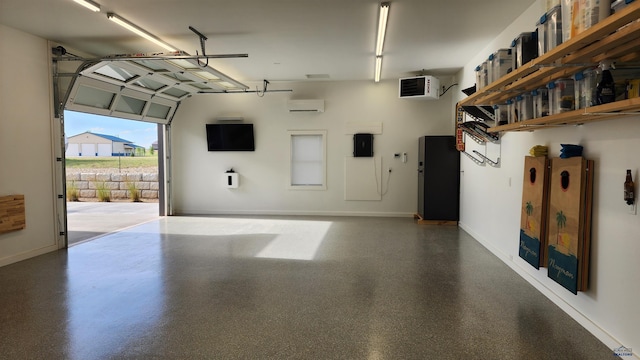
column 286, row 40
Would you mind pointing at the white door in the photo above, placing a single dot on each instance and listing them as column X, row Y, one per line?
column 72, row 150
column 104, row 150
column 88, row 150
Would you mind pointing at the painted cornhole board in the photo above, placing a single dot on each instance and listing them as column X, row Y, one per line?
column 533, row 217
column 569, row 222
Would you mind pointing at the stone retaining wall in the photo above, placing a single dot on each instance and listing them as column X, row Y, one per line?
column 118, row 184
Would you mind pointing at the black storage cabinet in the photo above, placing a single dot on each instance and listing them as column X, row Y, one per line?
column 438, row 178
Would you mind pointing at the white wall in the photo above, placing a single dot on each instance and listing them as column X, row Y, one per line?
column 26, row 142
column 197, row 174
column 491, row 200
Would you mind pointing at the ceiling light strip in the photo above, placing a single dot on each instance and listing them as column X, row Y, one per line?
column 93, row 6
column 139, row 31
column 382, row 27
column 376, row 76
column 383, row 16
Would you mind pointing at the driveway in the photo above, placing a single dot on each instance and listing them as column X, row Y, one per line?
column 88, row 220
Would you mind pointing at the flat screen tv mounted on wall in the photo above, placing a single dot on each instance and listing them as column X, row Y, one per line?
column 230, row 137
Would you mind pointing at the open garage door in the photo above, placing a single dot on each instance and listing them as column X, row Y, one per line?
column 141, row 87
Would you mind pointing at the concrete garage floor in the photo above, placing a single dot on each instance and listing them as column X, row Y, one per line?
column 281, row 288
column 88, row 220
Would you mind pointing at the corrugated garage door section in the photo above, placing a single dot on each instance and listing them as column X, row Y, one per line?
column 88, row 150
column 73, row 150
column 104, row 150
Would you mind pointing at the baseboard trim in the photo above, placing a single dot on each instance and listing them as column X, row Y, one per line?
column 597, row 331
column 27, row 255
column 191, row 212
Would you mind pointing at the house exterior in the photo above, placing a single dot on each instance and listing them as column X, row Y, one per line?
column 91, row 144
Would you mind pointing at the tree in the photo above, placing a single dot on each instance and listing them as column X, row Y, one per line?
column 151, row 151
column 529, row 209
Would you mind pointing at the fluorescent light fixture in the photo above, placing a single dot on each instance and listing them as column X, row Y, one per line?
column 93, row 6
column 382, row 27
column 376, row 76
column 139, row 31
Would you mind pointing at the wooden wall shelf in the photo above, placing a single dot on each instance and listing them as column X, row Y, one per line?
column 12, row 215
column 616, row 38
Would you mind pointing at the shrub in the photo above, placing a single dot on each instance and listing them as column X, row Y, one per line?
column 104, row 194
column 73, row 194
column 134, row 194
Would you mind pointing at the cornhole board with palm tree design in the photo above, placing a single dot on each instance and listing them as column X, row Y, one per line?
column 533, row 218
column 569, row 222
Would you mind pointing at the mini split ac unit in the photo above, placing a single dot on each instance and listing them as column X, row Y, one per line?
column 420, row 87
column 305, row 105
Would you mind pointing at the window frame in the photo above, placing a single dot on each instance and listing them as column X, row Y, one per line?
column 290, row 135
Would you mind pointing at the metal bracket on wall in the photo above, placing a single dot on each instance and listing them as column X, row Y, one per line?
column 489, row 161
column 474, row 159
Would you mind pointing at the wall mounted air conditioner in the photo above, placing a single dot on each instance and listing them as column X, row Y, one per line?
column 305, row 105
column 420, row 87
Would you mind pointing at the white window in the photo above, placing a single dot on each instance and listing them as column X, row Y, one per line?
column 308, row 168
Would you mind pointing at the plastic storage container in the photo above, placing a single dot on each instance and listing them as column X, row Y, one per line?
column 540, row 102
column 501, row 113
column 633, row 85
column 585, row 88
column 499, row 64
column 481, row 76
column 561, row 96
column 524, row 107
column 549, row 30
column 594, row 11
column 511, row 109
column 619, row 5
column 550, row 4
column 524, row 48
column 571, row 23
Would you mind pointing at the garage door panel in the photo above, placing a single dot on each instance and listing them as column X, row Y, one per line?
column 104, row 150
column 72, row 150
column 103, row 98
column 88, row 150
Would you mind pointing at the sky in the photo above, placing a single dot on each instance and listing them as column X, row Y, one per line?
column 138, row 132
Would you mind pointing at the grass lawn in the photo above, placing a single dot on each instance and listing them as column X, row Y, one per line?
column 123, row 162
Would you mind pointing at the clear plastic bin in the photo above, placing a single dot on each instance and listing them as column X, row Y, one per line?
column 550, row 4
column 561, row 96
column 570, row 17
column 481, row 76
column 540, row 102
column 524, row 48
column 511, row 109
column 524, row 107
column 585, row 88
column 501, row 113
column 633, row 85
column 549, row 30
column 619, row 5
column 594, row 11
column 499, row 64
